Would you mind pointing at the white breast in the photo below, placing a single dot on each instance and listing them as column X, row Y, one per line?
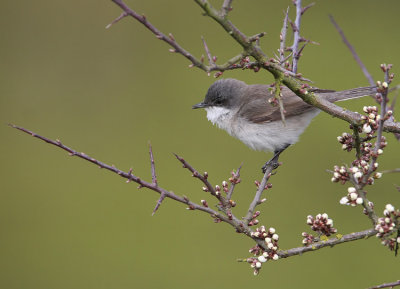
column 269, row 136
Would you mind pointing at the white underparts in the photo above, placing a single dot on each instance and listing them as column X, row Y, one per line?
column 268, row 136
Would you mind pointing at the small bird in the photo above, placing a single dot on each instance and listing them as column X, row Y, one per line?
column 245, row 112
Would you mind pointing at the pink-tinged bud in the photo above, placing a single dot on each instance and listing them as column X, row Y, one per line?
column 224, row 184
column 217, row 188
column 205, row 175
column 204, row 203
column 205, row 189
column 218, row 74
column 214, row 59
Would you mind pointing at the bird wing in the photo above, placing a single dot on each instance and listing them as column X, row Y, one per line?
column 259, row 110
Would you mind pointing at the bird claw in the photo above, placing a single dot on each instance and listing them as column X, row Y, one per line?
column 272, row 162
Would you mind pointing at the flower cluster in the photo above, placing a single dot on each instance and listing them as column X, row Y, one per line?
column 308, row 239
column 346, row 140
column 235, row 178
column 340, row 174
column 321, row 224
column 387, row 225
column 352, row 198
column 271, row 241
column 371, row 120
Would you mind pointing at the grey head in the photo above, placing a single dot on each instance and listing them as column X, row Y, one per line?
column 223, row 93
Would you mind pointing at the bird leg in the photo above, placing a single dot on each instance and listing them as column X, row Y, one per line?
column 274, row 161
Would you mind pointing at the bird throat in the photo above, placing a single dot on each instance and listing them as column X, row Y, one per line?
column 220, row 116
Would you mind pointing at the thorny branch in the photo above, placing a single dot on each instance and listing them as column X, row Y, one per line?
column 387, row 285
column 225, row 206
column 289, row 77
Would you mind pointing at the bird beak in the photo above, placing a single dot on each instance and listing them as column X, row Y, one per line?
column 200, row 105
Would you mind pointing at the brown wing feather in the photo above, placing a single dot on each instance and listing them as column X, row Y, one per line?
column 259, row 110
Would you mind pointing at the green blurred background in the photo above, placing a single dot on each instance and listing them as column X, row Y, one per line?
column 66, row 224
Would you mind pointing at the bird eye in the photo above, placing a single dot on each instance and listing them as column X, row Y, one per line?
column 218, row 101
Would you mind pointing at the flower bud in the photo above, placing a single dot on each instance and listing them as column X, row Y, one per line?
column 351, row 190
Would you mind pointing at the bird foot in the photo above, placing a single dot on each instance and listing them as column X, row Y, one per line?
column 272, row 162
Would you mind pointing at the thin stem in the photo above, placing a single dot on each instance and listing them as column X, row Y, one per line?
column 387, row 285
column 226, row 8
column 231, row 189
column 353, row 52
column 296, row 33
column 283, row 37
column 261, row 188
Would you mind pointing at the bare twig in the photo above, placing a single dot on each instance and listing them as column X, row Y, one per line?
column 154, row 180
column 327, row 243
column 226, row 8
column 391, row 171
column 257, row 36
column 123, row 14
column 357, row 141
column 208, row 53
column 231, row 189
column 353, row 52
column 127, row 175
column 261, row 187
column 283, row 37
column 278, row 83
column 296, row 33
column 387, row 285
column 153, row 167
column 304, row 9
column 197, row 175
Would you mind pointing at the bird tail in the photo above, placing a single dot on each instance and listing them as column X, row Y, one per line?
column 348, row 94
